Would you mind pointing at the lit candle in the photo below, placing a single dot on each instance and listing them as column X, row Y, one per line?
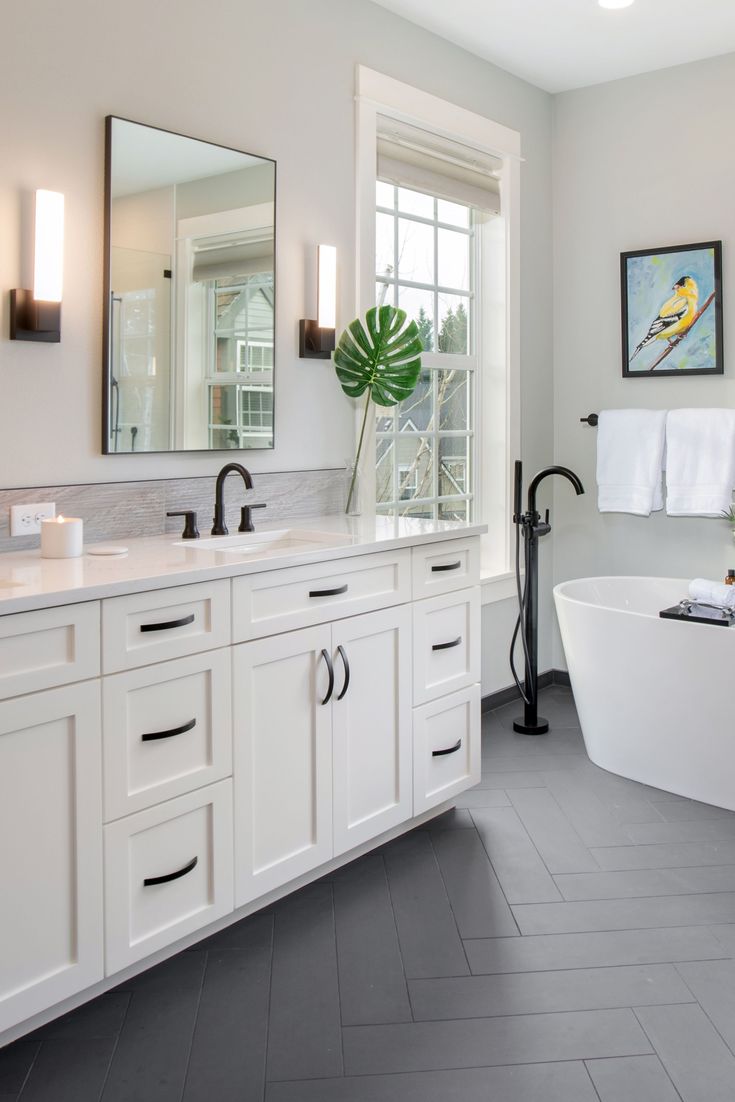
column 62, row 538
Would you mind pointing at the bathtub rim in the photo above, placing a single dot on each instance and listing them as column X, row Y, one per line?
column 559, row 592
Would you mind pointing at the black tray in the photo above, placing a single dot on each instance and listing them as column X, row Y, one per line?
column 697, row 614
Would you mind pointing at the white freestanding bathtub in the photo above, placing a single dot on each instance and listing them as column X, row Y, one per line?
column 654, row 696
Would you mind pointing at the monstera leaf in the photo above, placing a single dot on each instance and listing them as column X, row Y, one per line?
column 382, row 360
column 382, row 357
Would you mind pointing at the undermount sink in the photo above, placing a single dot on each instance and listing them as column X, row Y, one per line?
column 262, row 544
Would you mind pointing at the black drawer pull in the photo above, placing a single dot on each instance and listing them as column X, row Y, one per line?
column 449, row 750
column 169, row 624
column 169, row 876
column 155, row 735
column 328, row 592
column 447, row 566
column 447, row 646
column 330, row 671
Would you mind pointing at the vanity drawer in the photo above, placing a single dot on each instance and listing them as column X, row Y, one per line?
column 446, row 747
column 445, row 567
column 446, row 644
column 167, row 623
column 167, row 729
column 168, row 872
column 40, row 650
column 281, row 600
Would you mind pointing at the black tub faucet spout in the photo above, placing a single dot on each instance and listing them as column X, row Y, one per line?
column 538, row 479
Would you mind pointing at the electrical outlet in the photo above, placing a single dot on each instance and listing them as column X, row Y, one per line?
column 25, row 520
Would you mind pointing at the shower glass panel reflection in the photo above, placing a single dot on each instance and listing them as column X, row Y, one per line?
column 140, row 413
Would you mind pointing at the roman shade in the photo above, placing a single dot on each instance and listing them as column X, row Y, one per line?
column 415, row 158
column 225, row 256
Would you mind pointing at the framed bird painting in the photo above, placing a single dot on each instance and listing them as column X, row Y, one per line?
column 672, row 310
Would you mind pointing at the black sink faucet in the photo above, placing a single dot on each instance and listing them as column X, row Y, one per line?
column 219, row 528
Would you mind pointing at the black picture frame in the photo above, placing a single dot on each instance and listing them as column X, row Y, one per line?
column 713, row 301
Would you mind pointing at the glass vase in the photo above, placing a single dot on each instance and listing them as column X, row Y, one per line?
column 352, row 491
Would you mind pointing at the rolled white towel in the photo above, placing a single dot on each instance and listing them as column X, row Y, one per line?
column 712, row 593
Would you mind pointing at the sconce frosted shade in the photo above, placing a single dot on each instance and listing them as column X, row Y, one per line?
column 327, row 296
column 36, row 315
column 317, row 338
column 48, row 265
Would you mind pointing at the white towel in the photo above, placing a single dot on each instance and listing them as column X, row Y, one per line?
column 630, row 449
column 712, row 593
column 700, row 462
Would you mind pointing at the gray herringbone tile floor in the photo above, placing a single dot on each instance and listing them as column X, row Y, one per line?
column 563, row 936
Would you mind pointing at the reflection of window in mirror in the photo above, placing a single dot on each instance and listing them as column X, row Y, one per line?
column 228, row 399
column 242, row 350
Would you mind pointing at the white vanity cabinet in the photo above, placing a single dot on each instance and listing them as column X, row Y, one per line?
column 51, row 928
column 175, row 757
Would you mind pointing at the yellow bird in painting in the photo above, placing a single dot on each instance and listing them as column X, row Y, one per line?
column 675, row 316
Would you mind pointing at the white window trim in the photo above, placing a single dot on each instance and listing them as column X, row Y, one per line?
column 498, row 397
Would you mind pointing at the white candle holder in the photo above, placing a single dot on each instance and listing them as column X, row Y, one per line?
column 62, row 538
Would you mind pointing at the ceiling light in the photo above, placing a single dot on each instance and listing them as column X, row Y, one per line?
column 614, row 3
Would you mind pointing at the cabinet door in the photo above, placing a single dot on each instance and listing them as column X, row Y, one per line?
column 371, row 725
column 50, row 849
column 282, row 759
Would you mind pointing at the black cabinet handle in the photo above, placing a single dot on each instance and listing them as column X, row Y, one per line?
column 447, row 646
column 169, row 624
column 169, row 876
column 447, row 566
column 155, row 735
column 328, row 592
column 449, row 750
column 330, row 670
column 343, row 655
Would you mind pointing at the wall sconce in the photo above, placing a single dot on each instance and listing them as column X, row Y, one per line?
column 36, row 315
column 317, row 338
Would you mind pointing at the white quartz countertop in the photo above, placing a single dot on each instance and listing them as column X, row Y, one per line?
column 29, row 582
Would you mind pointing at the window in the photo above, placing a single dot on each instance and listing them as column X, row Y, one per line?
column 438, row 191
column 425, row 261
column 240, row 383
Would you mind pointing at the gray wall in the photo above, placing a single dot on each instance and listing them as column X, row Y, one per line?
column 275, row 79
column 640, row 162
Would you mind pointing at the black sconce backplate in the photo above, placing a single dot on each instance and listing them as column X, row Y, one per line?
column 315, row 343
column 34, row 321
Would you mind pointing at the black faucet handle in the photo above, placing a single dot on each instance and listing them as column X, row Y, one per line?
column 191, row 532
column 246, row 520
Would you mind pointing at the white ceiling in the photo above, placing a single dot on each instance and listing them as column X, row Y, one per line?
column 562, row 44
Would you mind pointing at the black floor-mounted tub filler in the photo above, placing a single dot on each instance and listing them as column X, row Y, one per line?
column 532, row 528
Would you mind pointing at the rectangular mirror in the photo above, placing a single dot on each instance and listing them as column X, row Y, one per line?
column 189, row 294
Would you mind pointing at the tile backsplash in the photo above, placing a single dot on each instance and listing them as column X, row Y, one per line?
column 123, row 510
